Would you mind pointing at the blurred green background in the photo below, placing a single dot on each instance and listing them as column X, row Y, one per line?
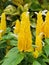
column 36, row 5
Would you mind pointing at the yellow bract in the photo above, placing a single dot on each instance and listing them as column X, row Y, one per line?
column 46, row 28
column 2, row 25
column 39, row 23
column 3, row 22
column 17, row 27
column 25, row 37
column 39, row 30
column 36, row 54
column 38, row 43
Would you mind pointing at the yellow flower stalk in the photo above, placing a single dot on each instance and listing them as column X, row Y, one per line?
column 39, row 34
column 39, row 23
column 25, row 37
column 36, row 54
column 38, row 48
column 38, row 43
column 46, row 28
column 3, row 22
column 17, row 27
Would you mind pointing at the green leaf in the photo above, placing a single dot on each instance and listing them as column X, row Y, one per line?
column 8, row 30
column 13, row 57
column 13, row 42
column 47, row 40
column 27, row 1
column 46, row 60
column 36, row 63
column 46, row 49
column 41, row 62
column 10, row 10
column 35, row 6
column 3, row 44
column 7, row 37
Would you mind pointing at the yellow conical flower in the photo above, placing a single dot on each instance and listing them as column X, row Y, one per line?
column 25, row 37
column 46, row 28
column 36, row 54
column 39, row 23
column 3, row 22
column 39, row 30
column 38, row 43
column 17, row 27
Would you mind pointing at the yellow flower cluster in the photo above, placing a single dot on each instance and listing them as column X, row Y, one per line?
column 25, row 37
column 39, row 31
column 42, row 28
column 24, row 33
column 2, row 25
